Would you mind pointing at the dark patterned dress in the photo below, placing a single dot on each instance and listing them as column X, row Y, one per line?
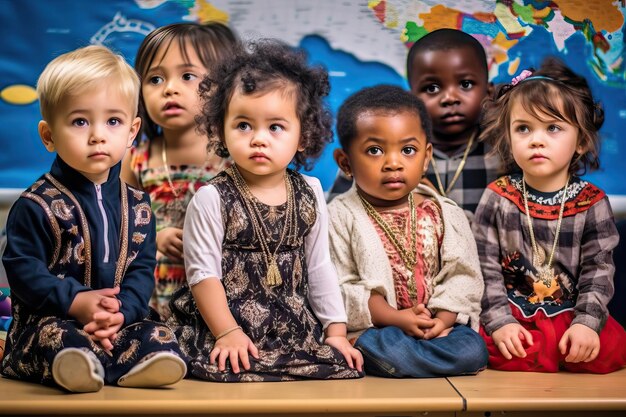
column 279, row 319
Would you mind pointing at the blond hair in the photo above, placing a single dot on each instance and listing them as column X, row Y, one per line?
column 77, row 71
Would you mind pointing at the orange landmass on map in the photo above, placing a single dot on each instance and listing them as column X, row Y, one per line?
column 441, row 17
column 602, row 13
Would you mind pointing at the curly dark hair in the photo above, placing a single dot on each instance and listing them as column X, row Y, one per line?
column 380, row 99
column 212, row 42
column 556, row 91
column 256, row 68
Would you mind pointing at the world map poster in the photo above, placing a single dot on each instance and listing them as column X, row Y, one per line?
column 361, row 43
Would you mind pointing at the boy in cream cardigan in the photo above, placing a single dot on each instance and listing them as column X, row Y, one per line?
column 406, row 258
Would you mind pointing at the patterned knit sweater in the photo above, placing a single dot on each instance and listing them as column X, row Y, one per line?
column 362, row 264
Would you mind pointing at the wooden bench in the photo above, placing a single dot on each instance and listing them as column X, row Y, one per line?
column 489, row 393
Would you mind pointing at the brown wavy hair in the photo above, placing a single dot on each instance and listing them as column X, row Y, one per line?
column 558, row 92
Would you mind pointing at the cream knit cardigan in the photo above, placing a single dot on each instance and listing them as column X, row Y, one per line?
column 362, row 263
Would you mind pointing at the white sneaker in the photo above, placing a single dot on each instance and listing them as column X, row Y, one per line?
column 155, row 370
column 78, row 370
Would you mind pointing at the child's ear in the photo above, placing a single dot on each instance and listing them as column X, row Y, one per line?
column 429, row 154
column 134, row 130
column 45, row 133
column 341, row 157
column 582, row 148
column 490, row 89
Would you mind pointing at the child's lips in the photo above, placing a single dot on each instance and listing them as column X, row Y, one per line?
column 452, row 118
column 98, row 155
column 172, row 108
column 395, row 182
column 259, row 157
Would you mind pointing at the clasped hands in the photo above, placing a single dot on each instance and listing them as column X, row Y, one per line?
column 419, row 323
column 99, row 312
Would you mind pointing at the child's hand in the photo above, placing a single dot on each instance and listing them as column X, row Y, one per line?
column 584, row 344
column 104, row 328
column 439, row 329
column 234, row 346
column 443, row 322
column 354, row 358
column 420, row 310
column 412, row 324
column 169, row 242
column 110, row 304
column 508, row 339
column 87, row 303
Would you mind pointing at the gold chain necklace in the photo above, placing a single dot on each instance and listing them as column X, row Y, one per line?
column 272, row 277
column 458, row 170
column 545, row 272
column 167, row 168
column 408, row 255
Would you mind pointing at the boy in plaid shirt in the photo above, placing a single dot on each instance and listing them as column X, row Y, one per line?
column 447, row 69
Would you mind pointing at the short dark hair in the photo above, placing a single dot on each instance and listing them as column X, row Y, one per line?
column 212, row 41
column 443, row 40
column 264, row 65
column 556, row 91
column 385, row 99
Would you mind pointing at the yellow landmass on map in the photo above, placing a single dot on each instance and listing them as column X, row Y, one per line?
column 440, row 17
column 514, row 65
column 508, row 20
column 501, row 46
column 602, row 13
column 206, row 12
column 19, row 94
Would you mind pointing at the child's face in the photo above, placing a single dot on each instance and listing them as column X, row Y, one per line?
column 452, row 83
column 387, row 157
column 262, row 132
column 92, row 130
column 170, row 87
column 543, row 148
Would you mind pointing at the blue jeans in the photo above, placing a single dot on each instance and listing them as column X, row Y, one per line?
column 389, row 352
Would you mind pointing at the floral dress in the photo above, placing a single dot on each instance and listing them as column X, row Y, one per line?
column 169, row 205
column 279, row 319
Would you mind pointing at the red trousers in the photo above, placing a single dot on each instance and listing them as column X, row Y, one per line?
column 544, row 354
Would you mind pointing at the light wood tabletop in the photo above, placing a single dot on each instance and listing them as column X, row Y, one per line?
column 365, row 396
column 531, row 391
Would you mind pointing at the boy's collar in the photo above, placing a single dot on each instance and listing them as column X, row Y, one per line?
column 74, row 180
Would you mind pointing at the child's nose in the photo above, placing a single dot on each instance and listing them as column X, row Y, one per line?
column 170, row 87
column 258, row 139
column 97, row 136
column 450, row 97
column 536, row 140
column 392, row 162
